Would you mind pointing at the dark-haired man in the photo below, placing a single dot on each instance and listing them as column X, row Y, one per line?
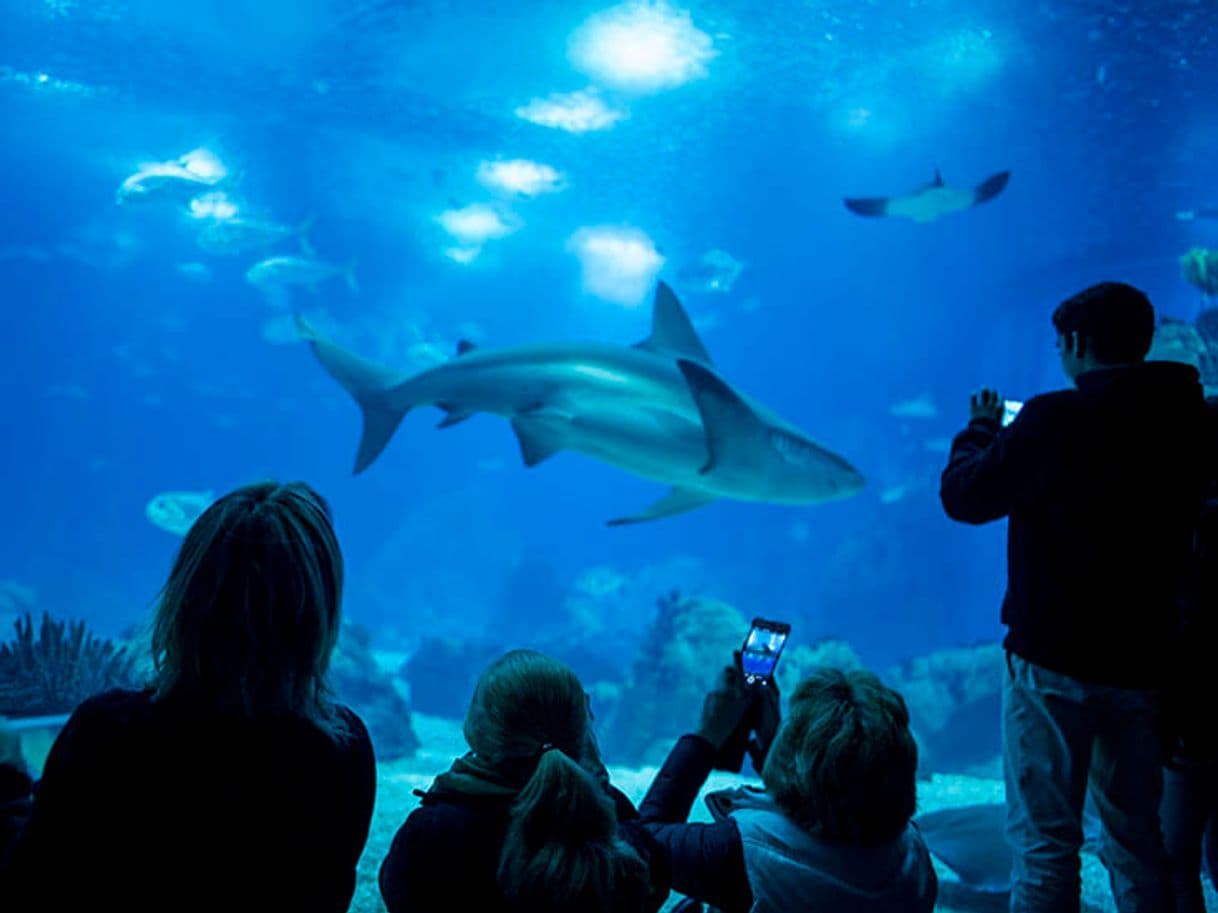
column 1102, row 486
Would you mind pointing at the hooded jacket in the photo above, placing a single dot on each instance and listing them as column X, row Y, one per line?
column 445, row 856
column 1102, row 487
column 753, row 859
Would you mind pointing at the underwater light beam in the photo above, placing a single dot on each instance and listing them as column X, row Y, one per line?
column 519, row 176
column 475, row 224
column 619, row 264
column 574, row 112
column 641, row 46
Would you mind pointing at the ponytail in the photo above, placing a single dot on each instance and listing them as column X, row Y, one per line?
column 561, row 853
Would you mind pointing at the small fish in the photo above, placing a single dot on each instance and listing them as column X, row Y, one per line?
column 894, row 494
column 184, row 175
column 1192, row 215
column 919, row 407
column 275, row 274
column 715, row 271
column 195, row 271
column 177, row 511
column 931, row 201
column 240, row 235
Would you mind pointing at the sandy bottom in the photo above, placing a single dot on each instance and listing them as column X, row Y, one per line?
column 442, row 742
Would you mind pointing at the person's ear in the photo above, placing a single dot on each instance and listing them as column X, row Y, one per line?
column 1079, row 346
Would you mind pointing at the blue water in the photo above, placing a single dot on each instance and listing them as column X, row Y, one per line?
column 124, row 378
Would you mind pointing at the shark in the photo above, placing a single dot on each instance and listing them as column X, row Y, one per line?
column 658, row 409
column 930, row 201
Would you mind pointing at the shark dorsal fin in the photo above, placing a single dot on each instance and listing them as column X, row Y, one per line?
column 464, row 346
column 672, row 333
column 730, row 423
column 938, row 181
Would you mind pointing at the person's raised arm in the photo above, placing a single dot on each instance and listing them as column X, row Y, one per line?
column 984, row 471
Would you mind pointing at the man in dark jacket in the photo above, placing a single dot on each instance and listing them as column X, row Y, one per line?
column 1102, row 486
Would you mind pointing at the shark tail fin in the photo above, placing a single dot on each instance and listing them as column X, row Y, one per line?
column 991, row 187
column 377, row 390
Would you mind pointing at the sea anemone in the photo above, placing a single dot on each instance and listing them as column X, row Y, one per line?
column 62, row 666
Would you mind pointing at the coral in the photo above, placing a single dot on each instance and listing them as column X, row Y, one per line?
column 798, row 663
column 62, row 666
column 955, row 705
column 358, row 681
column 1176, row 340
column 688, row 643
column 1207, row 329
column 1200, row 269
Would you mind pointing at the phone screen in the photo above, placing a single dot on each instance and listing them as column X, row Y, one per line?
column 762, row 648
column 1010, row 409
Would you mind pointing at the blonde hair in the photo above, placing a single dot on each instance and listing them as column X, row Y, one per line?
column 844, row 763
column 561, row 854
column 250, row 613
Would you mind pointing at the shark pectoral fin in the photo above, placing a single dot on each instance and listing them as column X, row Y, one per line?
column 464, row 346
column 456, row 415
column 731, row 425
column 991, row 187
column 672, row 332
column 867, row 206
column 370, row 385
column 537, row 441
column 677, row 501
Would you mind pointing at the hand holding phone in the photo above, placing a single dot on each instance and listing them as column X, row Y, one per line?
column 755, row 663
column 725, row 707
column 761, row 650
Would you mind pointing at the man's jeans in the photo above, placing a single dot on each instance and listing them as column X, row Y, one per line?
column 1058, row 735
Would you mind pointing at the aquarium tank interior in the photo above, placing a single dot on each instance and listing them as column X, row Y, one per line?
column 604, row 328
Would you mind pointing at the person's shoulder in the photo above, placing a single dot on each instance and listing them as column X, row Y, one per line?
column 1053, row 401
column 355, row 731
column 103, row 726
column 118, row 706
column 1050, row 409
column 438, row 828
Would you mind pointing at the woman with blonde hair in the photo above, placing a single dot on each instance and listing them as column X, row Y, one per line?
column 831, row 831
column 527, row 820
column 235, row 781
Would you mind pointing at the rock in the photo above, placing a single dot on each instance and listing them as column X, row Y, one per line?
column 359, row 682
column 955, row 706
column 686, row 647
column 442, row 674
column 797, row 664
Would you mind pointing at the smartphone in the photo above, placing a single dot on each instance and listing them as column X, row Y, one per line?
column 1010, row 409
column 761, row 650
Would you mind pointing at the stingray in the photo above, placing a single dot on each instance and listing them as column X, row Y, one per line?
column 930, row 201
column 970, row 840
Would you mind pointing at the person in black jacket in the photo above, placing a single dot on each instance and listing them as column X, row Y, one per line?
column 1190, row 793
column 832, row 830
column 1102, row 485
column 235, row 782
column 527, row 820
